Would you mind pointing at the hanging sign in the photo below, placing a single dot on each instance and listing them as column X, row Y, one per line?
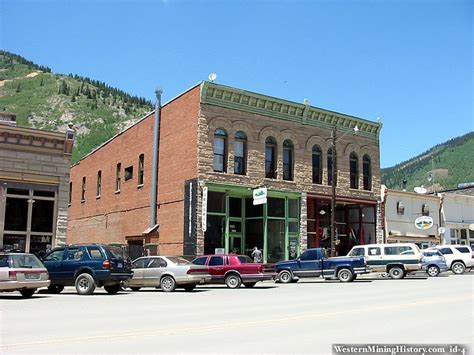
column 424, row 222
column 204, row 209
column 260, row 196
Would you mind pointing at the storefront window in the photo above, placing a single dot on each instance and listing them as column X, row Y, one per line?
column 254, row 235
column 292, row 227
column 252, row 210
column 293, row 208
column 368, row 214
column 16, row 215
column 235, row 207
column 42, row 218
column 216, row 202
column 235, row 227
column 276, row 207
column 276, row 240
column 214, row 235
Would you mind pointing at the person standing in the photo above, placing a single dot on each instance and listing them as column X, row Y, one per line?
column 256, row 255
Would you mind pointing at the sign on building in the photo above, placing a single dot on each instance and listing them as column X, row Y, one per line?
column 424, row 222
column 260, row 196
column 204, row 209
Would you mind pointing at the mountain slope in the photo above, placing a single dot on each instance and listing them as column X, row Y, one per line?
column 442, row 167
column 45, row 100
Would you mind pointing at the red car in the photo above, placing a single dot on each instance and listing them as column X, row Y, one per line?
column 233, row 270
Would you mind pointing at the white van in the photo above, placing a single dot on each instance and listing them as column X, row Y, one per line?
column 396, row 259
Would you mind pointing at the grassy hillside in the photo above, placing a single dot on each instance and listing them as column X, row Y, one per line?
column 442, row 167
column 45, row 100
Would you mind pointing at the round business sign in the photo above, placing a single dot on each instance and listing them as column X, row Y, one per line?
column 424, row 222
column 441, row 230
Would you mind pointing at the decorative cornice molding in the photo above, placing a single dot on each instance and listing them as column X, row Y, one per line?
column 229, row 97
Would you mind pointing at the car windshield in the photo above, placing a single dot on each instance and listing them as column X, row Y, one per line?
column 178, row 261
column 25, row 261
column 117, row 252
column 244, row 259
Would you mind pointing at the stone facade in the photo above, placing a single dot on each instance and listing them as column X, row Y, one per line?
column 36, row 160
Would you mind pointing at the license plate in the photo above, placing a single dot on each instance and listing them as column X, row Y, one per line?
column 120, row 265
column 32, row 276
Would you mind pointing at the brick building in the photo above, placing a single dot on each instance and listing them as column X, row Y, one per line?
column 217, row 145
column 34, row 183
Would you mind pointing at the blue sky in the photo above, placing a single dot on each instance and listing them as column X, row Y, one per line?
column 408, row 62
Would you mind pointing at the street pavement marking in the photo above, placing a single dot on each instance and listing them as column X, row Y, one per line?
column 218, row 327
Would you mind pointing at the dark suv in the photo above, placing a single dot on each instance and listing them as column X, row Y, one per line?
column 87, row 266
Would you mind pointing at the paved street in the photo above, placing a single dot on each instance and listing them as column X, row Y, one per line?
column 305, row 317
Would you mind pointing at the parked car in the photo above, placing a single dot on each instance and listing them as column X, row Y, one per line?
column 22, row 272
column 87, row 266
column 167, row 272
column 458, row 257
column 433, row 262
column 314, row 263
column 234, row 270
column 396, row 259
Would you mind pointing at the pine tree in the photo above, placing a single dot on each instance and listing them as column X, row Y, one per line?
column 41, row 83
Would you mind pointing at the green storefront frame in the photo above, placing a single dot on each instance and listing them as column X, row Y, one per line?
column 234, row 221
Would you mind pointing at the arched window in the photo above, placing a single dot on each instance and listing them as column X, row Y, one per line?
column 288, row 160
column 329, row 166
column 367, row 172
column 317, row 176
column 354, row 170
column 220, row 150
column 240, row 153
column 270, row 158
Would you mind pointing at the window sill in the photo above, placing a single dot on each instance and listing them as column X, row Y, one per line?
column 117, row 192
column 97, row 197
column 139, row 186
column 69, row 204
column 82, row 201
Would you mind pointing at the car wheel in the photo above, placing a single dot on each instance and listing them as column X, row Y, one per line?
column 233, row 281
column 249, row 284
column 55, row 288
column 189, row 288
column 135, row 288
column 458, row 268
column 432, row 270
column 345, row 275
column 85, row 284
column 112, row 289
column 168, row 284
column 285, row 276
column 28, row 292
column 396, row 272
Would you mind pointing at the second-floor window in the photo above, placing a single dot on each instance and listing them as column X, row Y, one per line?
column 240, row 152
column 367, row 173
column 330, row 177
column 354, row 170
column 220, row 150
column 270, row 158
column 70, row 192
column 83, row 192
column 99, row 183
column 141, row 162
column 288, row 160
column 117, row 177
column 317, row 176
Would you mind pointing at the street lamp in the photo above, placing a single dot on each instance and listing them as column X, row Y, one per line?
column 334, row 184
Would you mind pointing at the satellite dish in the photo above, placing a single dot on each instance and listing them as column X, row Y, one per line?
column 306, row 102
column 212, row 76
column 420, row 190
column 471, row 227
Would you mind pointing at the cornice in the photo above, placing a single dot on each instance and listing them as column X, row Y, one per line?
column 229, row 97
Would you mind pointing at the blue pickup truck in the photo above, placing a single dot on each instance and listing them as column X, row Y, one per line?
column 314, row 263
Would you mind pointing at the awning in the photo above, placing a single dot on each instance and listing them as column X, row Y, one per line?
column 150, row 229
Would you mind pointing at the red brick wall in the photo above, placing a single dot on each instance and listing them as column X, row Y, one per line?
column 113, row 216
column 178, row 162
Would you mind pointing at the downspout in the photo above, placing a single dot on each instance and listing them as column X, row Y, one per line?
column 154, row 169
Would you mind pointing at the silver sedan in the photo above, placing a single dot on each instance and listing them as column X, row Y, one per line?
column 167, row 272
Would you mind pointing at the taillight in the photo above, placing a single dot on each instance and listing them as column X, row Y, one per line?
column 12, row 275
column 106, row 264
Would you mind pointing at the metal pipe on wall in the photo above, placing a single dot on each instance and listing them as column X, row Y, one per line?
column 154, row 176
